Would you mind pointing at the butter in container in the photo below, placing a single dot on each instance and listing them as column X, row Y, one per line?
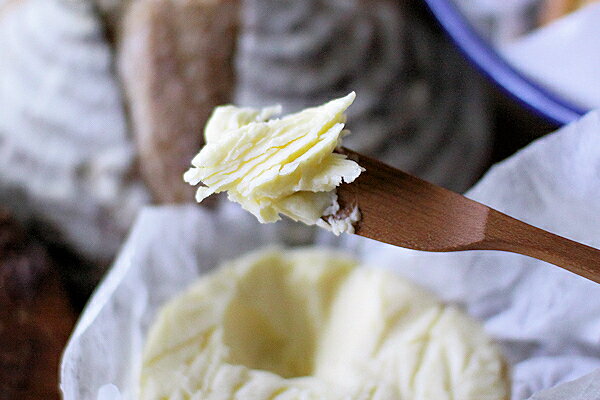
column 532, row 309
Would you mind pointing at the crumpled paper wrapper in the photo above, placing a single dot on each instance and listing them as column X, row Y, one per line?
column 546, row 319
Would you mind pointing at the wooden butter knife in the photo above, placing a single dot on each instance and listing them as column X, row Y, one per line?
column 400, row 209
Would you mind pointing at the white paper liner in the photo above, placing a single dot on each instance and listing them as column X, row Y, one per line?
column 546, row 319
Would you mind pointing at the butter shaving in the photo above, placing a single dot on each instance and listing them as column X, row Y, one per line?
column 278, row 166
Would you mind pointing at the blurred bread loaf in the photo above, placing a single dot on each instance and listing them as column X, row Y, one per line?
column 66, row 158
column 419, row 106
column 175, row 59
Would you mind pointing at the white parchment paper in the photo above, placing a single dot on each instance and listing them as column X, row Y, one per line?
column 546, row 319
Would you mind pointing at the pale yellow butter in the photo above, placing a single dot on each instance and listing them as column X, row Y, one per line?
column 278, row 166
column 311, row 324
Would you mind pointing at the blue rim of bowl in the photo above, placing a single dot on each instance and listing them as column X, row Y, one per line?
column 531, row 95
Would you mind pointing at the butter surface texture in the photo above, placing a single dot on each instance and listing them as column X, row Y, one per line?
column 312, row 324
column 277, row 166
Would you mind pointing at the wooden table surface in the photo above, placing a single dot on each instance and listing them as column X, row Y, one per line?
column 36, row 317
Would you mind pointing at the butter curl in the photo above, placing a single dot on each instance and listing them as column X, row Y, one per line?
column 273, row 167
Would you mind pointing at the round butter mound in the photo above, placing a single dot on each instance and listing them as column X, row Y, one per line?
column 311, row 324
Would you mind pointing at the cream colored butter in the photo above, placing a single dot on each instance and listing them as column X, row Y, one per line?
column 277, row 166
column 311, row 324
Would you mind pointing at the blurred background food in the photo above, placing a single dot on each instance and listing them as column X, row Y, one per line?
column 503, row 21
column 102, row 105
column 35, row 315
column 535, row 48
